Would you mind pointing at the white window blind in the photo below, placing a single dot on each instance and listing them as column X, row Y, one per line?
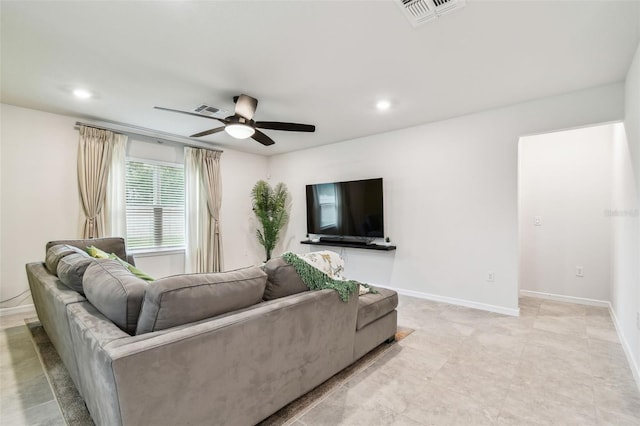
column 155, row 205
column 328, row 205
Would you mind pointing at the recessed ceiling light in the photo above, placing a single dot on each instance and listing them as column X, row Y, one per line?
column 383, row 105
column 82, row 94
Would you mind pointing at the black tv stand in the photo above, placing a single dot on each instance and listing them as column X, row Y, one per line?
column 337, row 242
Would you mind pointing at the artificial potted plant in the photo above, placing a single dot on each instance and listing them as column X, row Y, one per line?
column 270, row 207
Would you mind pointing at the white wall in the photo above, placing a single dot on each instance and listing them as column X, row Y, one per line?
column 240, row 172
column 450, row 188
column 39, row 196
column 564, row 179
column 39, row 191
column 450, row 194
column 144, row 148
column 625, row 292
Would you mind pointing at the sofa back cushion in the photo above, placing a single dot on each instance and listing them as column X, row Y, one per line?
column 283, row 280
column 57, row 252
column 115, row 292
column 110, row 245
column 71, row 270
column 182, row 299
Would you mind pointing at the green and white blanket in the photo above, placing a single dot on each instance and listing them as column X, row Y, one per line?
column 324, row 269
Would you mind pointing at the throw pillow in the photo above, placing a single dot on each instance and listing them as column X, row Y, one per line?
column 115, row 292
column 331, row 264
column 282, row 281
column 327, row 261
column 71, row 270
column 318, row 270
column 135, row 271
column 99, row 254
column 57, row 252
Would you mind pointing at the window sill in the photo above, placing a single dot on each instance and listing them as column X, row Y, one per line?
column 156, row 252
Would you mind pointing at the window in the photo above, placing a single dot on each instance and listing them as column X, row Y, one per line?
column 155, row 204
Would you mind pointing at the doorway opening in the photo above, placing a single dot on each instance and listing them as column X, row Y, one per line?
column 564, row 205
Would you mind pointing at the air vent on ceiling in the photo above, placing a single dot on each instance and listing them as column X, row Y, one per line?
column 206, row 110
column 421, row 11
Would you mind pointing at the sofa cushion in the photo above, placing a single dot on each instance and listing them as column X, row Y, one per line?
column 374, row 306
column 57, row 252
column 71, row 269
column 181, row 299
column 115, row 292
column 283, row 280
column 100, row 254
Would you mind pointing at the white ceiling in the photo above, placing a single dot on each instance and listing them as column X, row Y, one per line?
column 316, row 62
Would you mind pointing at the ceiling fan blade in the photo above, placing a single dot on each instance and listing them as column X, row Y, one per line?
column 207, row 132
column 246, row 106
column 291, row 127
column 262, row 138
column 190, row 113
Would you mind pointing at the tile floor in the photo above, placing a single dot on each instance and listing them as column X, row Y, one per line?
column 557, row 363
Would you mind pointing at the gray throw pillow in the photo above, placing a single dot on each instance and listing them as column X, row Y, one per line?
column 182, row 299
column 283, row 279
column 57, row 252
column 71, row 269
column 115, row 292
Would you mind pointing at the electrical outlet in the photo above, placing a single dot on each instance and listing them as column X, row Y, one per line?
column 579, row 271
column 537, row 221
column 491, row 276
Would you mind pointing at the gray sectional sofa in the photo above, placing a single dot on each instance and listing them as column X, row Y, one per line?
column 229, row 348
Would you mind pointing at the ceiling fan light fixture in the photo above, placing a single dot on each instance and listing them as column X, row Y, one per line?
column 239, row 130
column 383, row 105
column 82, row 93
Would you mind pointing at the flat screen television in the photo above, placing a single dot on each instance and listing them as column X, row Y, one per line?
column 346, row 209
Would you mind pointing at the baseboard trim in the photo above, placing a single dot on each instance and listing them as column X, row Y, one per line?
column 593, row 302
column 460, row 302
column 625, row 345
column 16, row 310
column 568, row 299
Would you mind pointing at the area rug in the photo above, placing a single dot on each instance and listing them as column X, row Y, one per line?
column 71, row 404
column 75, row 412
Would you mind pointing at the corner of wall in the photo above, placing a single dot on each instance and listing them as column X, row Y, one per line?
column 625, row 274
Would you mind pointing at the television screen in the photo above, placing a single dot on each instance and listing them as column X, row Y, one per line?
column 349, row 209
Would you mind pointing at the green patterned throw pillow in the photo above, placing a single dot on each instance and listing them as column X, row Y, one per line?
column 99, row 254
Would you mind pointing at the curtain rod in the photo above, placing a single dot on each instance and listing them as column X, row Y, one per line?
column 132, row 130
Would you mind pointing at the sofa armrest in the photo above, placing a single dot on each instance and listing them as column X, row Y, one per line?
column 90, row 333
column 108, row 244
column 51, row 298
column 131, row 260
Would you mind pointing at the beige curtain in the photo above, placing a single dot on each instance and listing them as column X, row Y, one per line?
column 203, row 200
column 94, row 161
column 115, row 203
column 210, row 161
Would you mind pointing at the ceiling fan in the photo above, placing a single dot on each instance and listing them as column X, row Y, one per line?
column 241, row 124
